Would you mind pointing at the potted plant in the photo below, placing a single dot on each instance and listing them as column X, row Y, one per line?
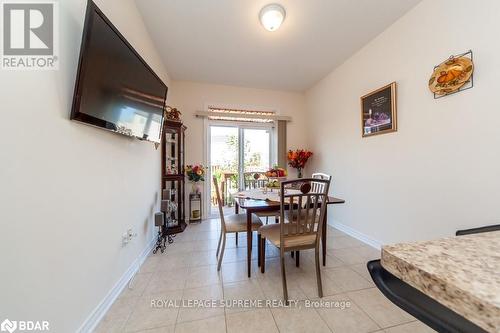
column 195, row 174
column 297, row 159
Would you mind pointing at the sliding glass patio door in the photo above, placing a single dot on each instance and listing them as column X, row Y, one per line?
column 237, row 152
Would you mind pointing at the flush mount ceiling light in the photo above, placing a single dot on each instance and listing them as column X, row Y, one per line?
column 271, row 16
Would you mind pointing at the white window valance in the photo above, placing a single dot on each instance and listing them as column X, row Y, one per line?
column 228, row 114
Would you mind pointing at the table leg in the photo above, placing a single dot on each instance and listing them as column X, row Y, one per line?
column 236, row 207
column 259, row 240
column 249, row 240
column 323, row 235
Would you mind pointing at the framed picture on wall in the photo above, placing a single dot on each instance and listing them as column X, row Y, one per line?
column 378, row 111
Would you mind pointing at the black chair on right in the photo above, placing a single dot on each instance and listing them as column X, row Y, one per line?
column 489, row 228
column 419, row 305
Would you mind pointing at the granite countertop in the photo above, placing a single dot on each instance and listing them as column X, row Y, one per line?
column 462, row 273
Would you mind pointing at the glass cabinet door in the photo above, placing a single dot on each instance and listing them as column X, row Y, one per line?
column 181, row 153
column 170, row 203
column 172, row 166
column 173, row 176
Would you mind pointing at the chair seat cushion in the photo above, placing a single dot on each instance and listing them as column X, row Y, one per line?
column 238, row 222
column 272, row 233
column 275, row 213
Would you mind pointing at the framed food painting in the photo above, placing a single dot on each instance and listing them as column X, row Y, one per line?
column 378, row 111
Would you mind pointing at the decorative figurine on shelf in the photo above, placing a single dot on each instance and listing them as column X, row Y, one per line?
column 171, row 170
column 297, row 159
column 171, row 211
column 172, row 114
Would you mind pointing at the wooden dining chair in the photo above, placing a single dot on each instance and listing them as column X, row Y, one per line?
column 319, row 175
column 256, row 181
column 261, row 182
column 301, row 216
column 315, row 188
column 233, row 223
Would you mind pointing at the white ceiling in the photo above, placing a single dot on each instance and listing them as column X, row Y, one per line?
column 222, row 41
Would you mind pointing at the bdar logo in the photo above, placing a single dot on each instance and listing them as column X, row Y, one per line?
column 24, row 325
column 8, row 326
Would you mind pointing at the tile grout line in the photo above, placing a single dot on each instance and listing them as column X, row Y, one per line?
column 274, row 320
column 321, row 317
column 362, row 310
column 137, row 302
column 179, row 310
column 224, row 298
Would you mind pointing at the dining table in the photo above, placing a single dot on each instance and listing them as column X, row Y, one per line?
column 461, row 274
column 257, row 200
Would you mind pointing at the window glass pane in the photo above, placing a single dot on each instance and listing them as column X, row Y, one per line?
column 256, row 150
column 224, row 160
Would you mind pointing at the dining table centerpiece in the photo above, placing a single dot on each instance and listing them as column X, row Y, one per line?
column 195, row 174
column 276, row 172
column 297, row 159
column 275, row 175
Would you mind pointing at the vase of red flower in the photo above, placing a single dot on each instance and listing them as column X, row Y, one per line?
column 297, row 159
column 195, row 174
column 299, row 172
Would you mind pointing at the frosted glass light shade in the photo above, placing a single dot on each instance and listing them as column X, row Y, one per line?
column 272, row 16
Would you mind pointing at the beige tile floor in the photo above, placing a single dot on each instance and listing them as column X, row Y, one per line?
column 187, row 271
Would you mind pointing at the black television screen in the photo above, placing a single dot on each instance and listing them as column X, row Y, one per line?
column 115, row 88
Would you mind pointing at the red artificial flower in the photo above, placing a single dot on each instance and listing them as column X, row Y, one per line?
column 297, row 159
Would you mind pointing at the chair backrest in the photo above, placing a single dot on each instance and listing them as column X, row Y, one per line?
column 253, row 180
column 219, row 204
column 305, row 211
column 319, row 175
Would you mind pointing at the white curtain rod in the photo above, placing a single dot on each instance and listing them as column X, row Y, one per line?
column 203, row 114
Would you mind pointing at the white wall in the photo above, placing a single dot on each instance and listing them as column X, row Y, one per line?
column 439, row 172
column 190, row 97
column 69, row 191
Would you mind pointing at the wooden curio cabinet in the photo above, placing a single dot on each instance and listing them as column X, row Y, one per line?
column 173, row 181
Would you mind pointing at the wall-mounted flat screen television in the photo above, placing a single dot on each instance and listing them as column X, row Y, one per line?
column 115, row 88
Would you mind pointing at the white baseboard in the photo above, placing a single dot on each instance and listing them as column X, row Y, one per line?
column 95, row 317
column 356, row 234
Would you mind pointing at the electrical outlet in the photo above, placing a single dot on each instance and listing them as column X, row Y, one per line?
column 125, row 239
column 130, row 234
